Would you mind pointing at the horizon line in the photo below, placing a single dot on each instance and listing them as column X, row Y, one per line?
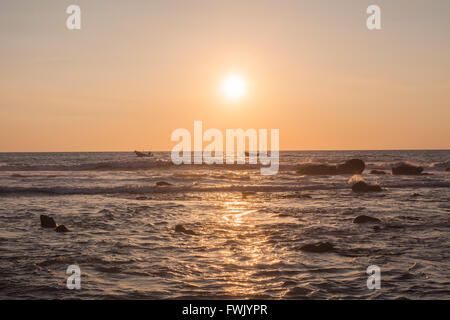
column 281, row 150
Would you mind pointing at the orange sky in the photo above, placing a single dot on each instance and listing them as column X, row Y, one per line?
column 139, row 70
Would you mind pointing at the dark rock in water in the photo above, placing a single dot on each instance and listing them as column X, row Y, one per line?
column 182, row 229
column 141, row 198
column 163, row 183
column 448, row 169
column 61, row 228
column 377, row 172
column 376, row 228
column 361, row 186
column 47, row 222
column 365, row 219
column 319, row 247
column 353, row 166
column 317, row 169
column 406, row 169
column 248, row 193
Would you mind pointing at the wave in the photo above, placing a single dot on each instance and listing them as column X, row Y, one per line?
column 104, row 165
column 381, row 165
column 134, row 165
column 433, row 166
column 152, row 189
column 60, row 190
column 440, row 165
column 130, row 166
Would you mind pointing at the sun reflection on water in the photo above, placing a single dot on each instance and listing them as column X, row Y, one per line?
column 250, row 247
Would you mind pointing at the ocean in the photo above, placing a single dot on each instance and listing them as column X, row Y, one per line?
column 242, row 233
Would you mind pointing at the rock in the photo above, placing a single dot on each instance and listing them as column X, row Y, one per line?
column 377, row 172
column 141, row 198
column 448, row 169
column 406, row 169
column 61, row 228
column 163, row 183
column 376, row 228
column 319, row 247
column 353, row 166
column 365, row 219
column 182, row 229
column 361, row 186
column 47, row 222
column 317, row 169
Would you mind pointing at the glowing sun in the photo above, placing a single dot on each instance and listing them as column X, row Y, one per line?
column 234, row 87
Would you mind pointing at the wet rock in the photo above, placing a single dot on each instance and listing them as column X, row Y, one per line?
column 361, row 186
column 448, row 169
column 47, row 222
column 317, row 169
column 353, row 166
column 180, row 228
column 141, row 198
column 377, row 172
column 61, row 228
column 366, row 219
column 319, row 247
column 376, row 228
column 163, row 183
column 406, row 169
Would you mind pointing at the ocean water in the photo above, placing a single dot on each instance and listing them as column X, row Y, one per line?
column 248, row 228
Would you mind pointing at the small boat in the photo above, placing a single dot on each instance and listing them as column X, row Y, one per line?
column 143, row 154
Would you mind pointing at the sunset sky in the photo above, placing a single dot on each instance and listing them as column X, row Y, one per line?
column 137, row 70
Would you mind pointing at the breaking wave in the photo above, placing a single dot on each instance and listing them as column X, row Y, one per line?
column 135, row 165
column 104, row 165
column 61, row 190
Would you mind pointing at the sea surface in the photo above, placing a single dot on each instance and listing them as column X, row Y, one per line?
column 244, row 233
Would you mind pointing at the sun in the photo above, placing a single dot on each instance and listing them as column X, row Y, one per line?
column 234, row 86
